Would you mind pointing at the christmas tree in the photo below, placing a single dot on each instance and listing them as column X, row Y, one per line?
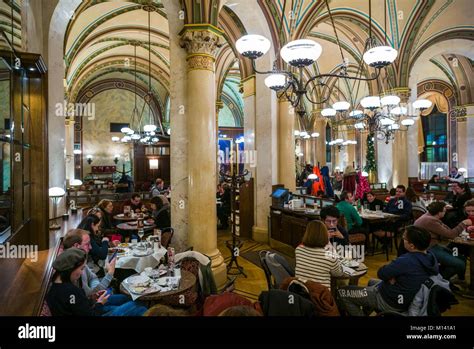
column 371, row 164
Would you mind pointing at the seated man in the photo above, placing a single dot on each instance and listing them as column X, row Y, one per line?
column 399, row 281
column 399, row 206
column 135, row 203
column 337, row 234
column 455, row 212
column 353, row 219
column 450, row 264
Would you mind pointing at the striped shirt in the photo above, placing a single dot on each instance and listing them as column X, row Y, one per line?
column 317, row 264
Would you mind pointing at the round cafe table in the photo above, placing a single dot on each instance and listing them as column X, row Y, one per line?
column 187, row 282
column 122, row 218
column 133, row 228
column 470, row 243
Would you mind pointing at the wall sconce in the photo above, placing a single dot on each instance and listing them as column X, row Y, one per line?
column 55, row 193
column 89, row 159
column 153, row 164
column 116, row 158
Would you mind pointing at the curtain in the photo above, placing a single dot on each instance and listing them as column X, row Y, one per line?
column 441, row 103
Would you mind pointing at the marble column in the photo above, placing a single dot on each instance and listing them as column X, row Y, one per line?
column 468, row 162
column 178, row 123
column 69, row 143
column 286, row 145
column 320, row 142
column 400, row 147
column 248, row 97
column 201, row 43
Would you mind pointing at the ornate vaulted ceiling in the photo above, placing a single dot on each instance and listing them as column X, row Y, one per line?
column 99, row 42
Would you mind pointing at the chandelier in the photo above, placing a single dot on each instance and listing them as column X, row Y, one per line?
column 142, row 129
column 380, row 113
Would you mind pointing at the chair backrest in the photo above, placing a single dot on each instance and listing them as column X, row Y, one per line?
column 342, row 221
column 276, row 268
column 417, row 213
column 166, row 236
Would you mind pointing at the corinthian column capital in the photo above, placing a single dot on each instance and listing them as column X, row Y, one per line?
column 201, row 44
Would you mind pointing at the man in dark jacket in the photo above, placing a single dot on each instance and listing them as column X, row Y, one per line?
column 399, row 281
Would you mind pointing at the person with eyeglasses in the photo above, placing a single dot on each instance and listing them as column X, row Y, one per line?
column 399, row 281
column 336, row 234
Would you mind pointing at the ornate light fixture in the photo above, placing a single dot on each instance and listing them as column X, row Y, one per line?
column 302, row 53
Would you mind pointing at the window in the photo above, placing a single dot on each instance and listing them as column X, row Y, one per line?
column 116, row 127
column 328, row 147
column 435, row 136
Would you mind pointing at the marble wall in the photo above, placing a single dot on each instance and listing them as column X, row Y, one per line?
column 110, row 106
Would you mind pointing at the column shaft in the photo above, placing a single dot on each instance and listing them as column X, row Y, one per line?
column 286, row 146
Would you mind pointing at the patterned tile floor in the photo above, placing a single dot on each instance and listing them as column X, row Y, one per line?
column 255, row 283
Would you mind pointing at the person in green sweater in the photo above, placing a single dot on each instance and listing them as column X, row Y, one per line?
column 354, row 221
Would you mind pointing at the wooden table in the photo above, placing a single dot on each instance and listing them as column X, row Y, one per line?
column 129, row 228
column 361, row 270
column 123, row 218
column 188, row 281
column 470, row 244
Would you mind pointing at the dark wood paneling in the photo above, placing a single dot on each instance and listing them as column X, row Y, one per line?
column 246, row 208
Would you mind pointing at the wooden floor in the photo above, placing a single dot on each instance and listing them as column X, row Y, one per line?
column 255, row 283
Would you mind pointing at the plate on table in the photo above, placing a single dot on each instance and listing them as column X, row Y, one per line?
column 119, row 250
column 142, row 253
column 132, row 223
column 123, row 244
column 148, row 223
column 120, row 215
column 138, row 281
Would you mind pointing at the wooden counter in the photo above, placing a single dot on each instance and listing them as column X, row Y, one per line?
column 288, row 226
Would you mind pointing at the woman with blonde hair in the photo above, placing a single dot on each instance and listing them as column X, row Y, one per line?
column 316, row 260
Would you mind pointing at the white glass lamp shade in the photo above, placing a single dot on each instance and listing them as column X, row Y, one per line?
column 422, row 104
column 462, row 170
column 135, row 136
column 125, row 129
column 297, row 133
column 399, row 111
column 77, row 151
column 408, row 122
column 365, row 174
column 130, row 132
column 394, row 127
column 439, row 169
column 370, row 102
column 337, row 168
column 315, row 134
column 275, row 81
column 301, row 53
column 75, row 182
column 149, row 128
column 253, row 46
column 155, row 139
column 312, row 176
column 169, row 132
column 356, row 113
column 115, row 139
column 56, row 192
column 341, row 106
column 127, row 138
column 303, row 134
column 389, row 100
column 89, row 157
column 339, row 141
column 359, row 125
column 345, row 143
column 152, row 133
column 124, row 140
column 328, row 112
column 300, row 154
column 307, row 136
column 117, row 156
column 386, row 121
column 353, row 142
column 380, row 56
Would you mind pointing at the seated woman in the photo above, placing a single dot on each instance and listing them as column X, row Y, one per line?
column 416, row 203
column 316, row 260
column 99, row 244
column 160, row 211
column 69, row 266
column 106, row 208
